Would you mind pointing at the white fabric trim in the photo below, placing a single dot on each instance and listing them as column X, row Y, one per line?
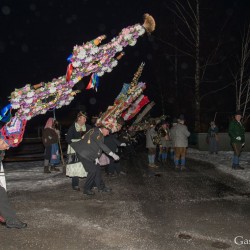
column 2, row 177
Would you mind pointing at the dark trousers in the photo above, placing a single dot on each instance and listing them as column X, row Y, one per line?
column 94, row 177
column 6, row 211
column 75, row 181
column 237, row 147
column 47, row 153
column 114, row 166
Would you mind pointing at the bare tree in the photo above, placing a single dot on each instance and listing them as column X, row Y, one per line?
column 241, row 76
column 189, row 15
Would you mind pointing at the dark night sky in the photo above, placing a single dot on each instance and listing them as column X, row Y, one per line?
column 37, row 36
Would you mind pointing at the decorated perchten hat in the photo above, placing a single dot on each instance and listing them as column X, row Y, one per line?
column 110, row 123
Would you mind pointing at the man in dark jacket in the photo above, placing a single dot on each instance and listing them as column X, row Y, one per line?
column 236, row 132
column 113, row 143
column 89, row 149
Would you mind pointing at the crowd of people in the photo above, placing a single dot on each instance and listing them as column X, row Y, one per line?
column 165, row 143
column 90, row 147
column 170, row 141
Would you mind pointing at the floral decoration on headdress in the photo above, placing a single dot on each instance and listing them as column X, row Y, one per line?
column 127, row 104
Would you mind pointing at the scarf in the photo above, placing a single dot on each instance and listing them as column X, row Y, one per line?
column 80, row 128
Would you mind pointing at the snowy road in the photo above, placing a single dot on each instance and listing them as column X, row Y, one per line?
column 198, row 209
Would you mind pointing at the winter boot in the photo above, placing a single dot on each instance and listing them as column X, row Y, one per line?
column 46, row 167
column 15, row 223
column 46, row 170
column 53, row 168
column 237, row 167
column 183, row 164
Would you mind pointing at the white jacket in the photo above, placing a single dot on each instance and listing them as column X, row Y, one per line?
column 179, row 134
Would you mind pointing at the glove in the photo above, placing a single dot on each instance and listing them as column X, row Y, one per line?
column 97, row 161
column 238, row 138
column 123, row 144
column 114, row 156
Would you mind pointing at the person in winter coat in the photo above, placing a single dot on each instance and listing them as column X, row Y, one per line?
column 50, row 138
column 7, row 213
column 88, row 150
column 113, row 143
column 165, row 143
column 179, row 134
column 174, row 123
column 151, row 135
column 236, row 132
column 212, row 138
column 75, row 169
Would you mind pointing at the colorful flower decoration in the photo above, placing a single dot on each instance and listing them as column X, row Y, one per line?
column 86, row 59
column 127, row 104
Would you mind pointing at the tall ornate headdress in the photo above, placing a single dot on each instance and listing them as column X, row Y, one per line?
column 86, row 59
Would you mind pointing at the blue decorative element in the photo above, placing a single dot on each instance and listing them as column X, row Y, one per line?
column 69, row 58
column 123, row 91
column 5, row 113
column 96, row 81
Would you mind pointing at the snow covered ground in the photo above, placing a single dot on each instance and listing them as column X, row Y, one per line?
column 223, row 161
column 30, row 176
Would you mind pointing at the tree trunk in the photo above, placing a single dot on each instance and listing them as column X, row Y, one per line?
column 197, row 71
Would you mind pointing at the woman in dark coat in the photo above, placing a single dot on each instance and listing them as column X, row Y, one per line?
column 50, row 140
column 212, row 137
column 75, row 133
